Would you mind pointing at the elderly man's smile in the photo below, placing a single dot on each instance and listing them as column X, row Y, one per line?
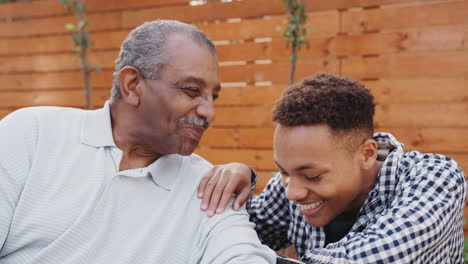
column 195, row 132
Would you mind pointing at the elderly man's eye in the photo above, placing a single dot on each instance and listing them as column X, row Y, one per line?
column 192, row 92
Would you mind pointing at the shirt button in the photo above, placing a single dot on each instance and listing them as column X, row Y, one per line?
column 373, row 194
column 307, row 243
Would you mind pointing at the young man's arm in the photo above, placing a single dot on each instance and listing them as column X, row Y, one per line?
column 423, row 223
column 271, row 215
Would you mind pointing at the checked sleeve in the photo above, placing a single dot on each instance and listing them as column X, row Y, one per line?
column 270, row 213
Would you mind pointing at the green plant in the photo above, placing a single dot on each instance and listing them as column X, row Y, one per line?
column 465, row 250
column 81, row 42
column 295, row 33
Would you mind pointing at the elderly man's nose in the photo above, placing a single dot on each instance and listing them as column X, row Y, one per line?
column 206, row 109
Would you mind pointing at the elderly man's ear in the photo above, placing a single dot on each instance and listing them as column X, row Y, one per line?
column 130, row 81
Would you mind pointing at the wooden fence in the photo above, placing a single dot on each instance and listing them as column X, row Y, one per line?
column 413, row 54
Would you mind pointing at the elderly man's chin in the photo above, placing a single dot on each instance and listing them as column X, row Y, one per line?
column 187, row 147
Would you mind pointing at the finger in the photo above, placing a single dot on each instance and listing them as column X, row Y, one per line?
column 217, row 193
column 241, row 198
column 209, row 187
column 227, row 195
column 204, row 181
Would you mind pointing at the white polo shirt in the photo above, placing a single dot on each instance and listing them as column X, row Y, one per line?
column 63, row 200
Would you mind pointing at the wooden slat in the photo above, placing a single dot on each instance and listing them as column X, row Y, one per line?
column 4, row 112
column 60, row 43
column 421, row 39
column 105, row 59
column 421, row 90
column 236, row 9
column 109, row 5
column 57, row 80
column 256, row 138
column 277, row 72
column 440, row 64
column 450, row 115
column 113, row 39
column 250, row 95
column 465, row 227
column 325, row 23
column 56, row 25
column 432, row 140
column 373, row 3
column 74, row 98
column 423, row 14
column 33, row 9
column 21, row 10
column 255, row 116
column 262, row 179
column 425, row 39
column 258, row 159
column 32, row 45
column 275, row 50
column 132, row 18
column 208, row 12
column 55, row 62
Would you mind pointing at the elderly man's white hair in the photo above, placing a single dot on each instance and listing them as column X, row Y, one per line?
column 144, row 49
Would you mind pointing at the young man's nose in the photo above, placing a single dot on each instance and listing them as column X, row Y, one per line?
column 295, row 191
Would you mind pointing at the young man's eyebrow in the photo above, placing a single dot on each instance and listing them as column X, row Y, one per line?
column 300, row 168
column 279, row 166
column 305, row 167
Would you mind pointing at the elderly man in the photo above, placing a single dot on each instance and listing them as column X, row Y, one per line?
column 118, row 184
column 344, row 194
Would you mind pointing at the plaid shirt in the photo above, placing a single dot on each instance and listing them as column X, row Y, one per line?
column 413, row 214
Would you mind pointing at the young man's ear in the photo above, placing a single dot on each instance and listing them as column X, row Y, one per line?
column 369, row 153
column 130, row 80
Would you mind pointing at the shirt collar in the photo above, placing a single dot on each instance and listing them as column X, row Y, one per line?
column 165, row 170
column 97, row 128
column 97, row 132
column 390, row 152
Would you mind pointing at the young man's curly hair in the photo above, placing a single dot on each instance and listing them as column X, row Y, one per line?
column 339, row 102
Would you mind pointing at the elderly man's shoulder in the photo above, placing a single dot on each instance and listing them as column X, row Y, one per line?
column 194, row 165
column 197, row 160
column 42, row 112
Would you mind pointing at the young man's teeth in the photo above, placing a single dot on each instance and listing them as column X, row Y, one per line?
column 311, row 205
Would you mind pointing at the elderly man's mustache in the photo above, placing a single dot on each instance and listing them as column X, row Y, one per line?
column 195, row 122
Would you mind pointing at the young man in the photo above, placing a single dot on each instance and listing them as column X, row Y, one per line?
column 344, row 194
